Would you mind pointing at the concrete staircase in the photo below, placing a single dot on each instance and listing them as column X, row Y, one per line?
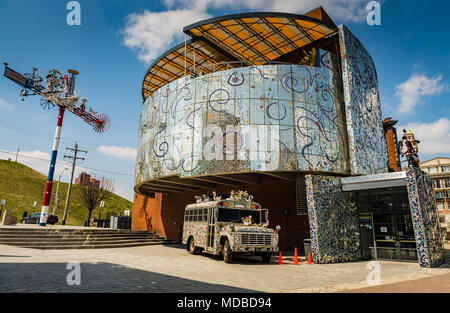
column 54, row 239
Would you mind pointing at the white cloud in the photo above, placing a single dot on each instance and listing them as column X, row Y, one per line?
column 5, row 105
column 152, row 33
column 418, row 85
column 40, row 161
column 37, row 160
column 118, row 152
column 434, row 137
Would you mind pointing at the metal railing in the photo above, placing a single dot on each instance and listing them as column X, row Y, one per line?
column 223, row 66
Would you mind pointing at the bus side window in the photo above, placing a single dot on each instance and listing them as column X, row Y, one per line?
column 189, row 216
column 205, row 215
column 195, row 219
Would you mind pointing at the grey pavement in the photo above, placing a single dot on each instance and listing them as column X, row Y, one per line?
column 171, row 269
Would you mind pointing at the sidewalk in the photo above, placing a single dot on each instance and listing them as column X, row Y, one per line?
column 172, row 269
column 436, row 284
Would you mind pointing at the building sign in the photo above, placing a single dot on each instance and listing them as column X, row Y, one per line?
column 373, row 178
column 377, row 181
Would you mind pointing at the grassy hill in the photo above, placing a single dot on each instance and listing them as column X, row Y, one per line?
column 21, row 186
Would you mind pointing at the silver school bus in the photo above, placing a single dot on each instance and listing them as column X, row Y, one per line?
column 236, row 225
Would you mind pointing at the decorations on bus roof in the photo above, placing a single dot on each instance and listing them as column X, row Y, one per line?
column 240, row 195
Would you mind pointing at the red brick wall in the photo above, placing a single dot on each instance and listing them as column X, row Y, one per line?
column 83, row 179
column 147, row 214
column 164, row 214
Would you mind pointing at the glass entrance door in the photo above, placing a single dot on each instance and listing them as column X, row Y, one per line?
column 394, row 236
column 386, row 228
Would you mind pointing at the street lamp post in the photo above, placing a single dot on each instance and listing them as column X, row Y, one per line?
column 102, row 204
column 2, row 202
column 57, row 189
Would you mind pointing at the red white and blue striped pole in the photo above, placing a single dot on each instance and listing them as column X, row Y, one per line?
column 49, row 185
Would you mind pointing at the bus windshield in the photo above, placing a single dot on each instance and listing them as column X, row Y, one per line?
column 236, row 215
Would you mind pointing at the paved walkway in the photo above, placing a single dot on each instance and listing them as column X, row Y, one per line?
column 435, row 284
column 172, row 269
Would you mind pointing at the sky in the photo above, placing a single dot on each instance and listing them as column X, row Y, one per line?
column 117, row 41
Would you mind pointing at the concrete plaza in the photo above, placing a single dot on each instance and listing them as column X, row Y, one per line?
column 171, row 269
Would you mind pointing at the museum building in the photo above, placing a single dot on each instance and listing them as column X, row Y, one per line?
column 312, row 87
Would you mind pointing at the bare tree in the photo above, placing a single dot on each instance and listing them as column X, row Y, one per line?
column 93, row 194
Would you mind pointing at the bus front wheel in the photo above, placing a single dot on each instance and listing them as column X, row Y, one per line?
column 191, row 247
column 227, row 253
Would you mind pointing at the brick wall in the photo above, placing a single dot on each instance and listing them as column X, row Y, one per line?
column 164, row 214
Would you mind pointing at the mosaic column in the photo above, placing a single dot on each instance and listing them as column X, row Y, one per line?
column 430, row 249
column 333, row 221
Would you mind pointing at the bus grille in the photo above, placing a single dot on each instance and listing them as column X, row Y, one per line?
column 256, row 239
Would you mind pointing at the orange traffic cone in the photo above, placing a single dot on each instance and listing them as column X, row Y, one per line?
column 280, row 260
column 295, row 257
column 309, row 258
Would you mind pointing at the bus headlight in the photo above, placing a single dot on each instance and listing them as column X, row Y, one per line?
column 237, row 238
column 274, row 240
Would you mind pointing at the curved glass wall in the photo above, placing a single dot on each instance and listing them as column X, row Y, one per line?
column 262, row 118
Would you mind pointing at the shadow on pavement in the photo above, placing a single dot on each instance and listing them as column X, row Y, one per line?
column 99, row 278
column 240, row 259
column 14, row 256
column 175, row 245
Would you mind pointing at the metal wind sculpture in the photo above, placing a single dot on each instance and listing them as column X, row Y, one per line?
column 409, row 147
column 58, row 91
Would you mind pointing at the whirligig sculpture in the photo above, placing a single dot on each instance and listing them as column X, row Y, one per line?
column 58, row 91
column 409, row 147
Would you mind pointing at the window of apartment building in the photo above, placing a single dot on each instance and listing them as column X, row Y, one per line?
column 447, row 183
column 439, row 195
column 433, row 170
column 440, row 205
column 437, row 183
column 446, row 169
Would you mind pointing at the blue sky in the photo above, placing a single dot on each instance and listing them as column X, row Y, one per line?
column 118, row 39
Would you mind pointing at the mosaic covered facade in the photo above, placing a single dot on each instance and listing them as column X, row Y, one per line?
column 425, row 218
column 334, row 226
column 362, row 107
column 323, row 118
column 323, row 121
column 333, row 221
column 302, row 104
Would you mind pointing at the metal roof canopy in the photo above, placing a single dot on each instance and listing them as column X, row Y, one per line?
column 171, row 65
column 251, row 38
